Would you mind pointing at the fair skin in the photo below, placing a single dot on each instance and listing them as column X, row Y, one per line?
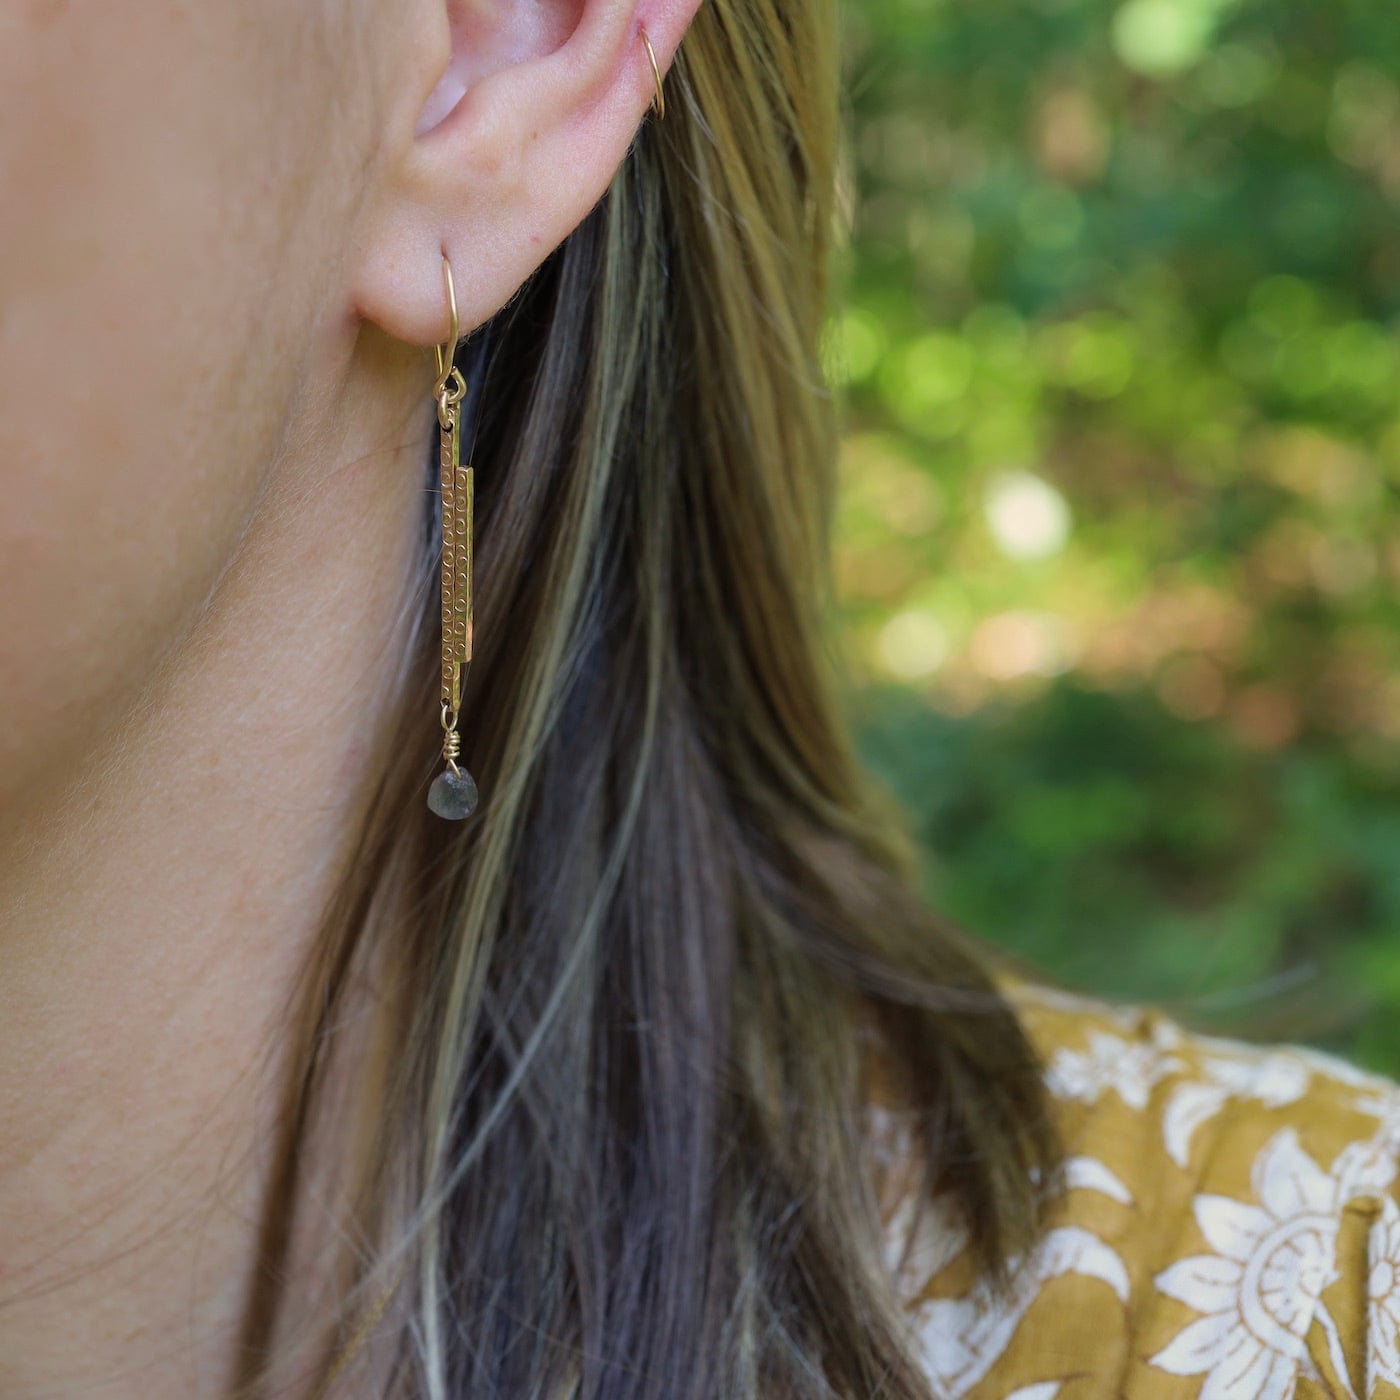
column 220, row 282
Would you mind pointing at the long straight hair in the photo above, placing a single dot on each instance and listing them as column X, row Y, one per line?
column 615, row 1145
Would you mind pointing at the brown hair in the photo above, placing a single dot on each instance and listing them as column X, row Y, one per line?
column 614, row 1127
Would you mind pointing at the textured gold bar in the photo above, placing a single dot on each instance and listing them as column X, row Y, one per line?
column 451, row 523
column 466, row 560
column 461, row 565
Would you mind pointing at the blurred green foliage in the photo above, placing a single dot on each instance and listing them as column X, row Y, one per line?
column 1119, row 545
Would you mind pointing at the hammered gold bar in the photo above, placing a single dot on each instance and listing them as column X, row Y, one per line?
column 462, row 562
column 452, row 522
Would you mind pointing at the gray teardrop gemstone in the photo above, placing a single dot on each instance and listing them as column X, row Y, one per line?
column 453, row 795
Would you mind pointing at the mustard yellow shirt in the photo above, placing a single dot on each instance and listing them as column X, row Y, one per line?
column 1229, row 1227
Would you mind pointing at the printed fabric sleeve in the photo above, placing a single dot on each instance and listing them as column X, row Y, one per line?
column 1227, row 1226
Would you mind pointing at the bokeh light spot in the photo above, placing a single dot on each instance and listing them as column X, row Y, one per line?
column 1028, row 517
column 913, row 644
column 1160, row 38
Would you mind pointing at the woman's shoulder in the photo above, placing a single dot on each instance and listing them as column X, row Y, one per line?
column 1227, row 1224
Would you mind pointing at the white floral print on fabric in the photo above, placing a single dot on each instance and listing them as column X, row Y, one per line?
column 1279, row 1075
column 1261, row 1289
column 1089, row 1174
column 916, row 1252
column 1128, row 1068
column 1274, row 1081
column 962, row 1338
column 1383, row 1299
column 1295, row 1197
column 1230, row 1071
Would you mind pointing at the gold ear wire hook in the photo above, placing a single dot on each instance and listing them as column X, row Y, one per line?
column 444, row 356
column 450, row 388
column 658, row 103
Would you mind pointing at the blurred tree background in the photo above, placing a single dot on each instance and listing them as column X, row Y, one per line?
column 1119, row 543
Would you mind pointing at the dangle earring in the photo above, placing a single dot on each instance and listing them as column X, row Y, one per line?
column 453, row 794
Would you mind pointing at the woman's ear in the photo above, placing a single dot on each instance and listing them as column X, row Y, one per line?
column 502, row 138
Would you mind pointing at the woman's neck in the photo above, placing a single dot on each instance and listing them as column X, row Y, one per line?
column 159, row 898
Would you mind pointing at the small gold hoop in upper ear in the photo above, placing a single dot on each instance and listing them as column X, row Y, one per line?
column 658, row 103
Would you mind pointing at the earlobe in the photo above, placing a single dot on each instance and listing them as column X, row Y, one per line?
column 528, row 118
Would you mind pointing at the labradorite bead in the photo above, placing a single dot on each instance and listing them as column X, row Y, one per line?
column 453, row 795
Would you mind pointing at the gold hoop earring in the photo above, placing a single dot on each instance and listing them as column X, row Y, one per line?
column 453, row 794
column 658, row 103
